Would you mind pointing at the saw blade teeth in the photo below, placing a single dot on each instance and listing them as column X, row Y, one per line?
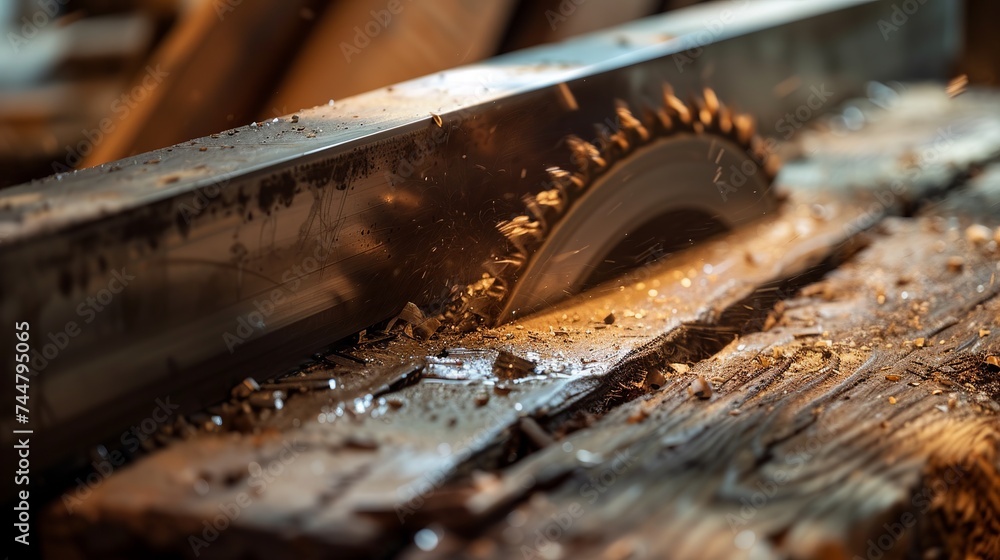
column 483, row 300
column 666, row 123
column 501, row 267
column 551, row 201
column 621, row 143
column 585, row 156
column 725, row 120
column 744, row 128
column 678, row 107
column 630, row 123
column 772, row 165
column 523, row 233
column 711, row 101
column 615, row 145
column 569, row 183
column 705, row 116
column 540, row 207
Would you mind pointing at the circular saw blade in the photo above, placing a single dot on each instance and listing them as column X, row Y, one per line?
column 696, row 159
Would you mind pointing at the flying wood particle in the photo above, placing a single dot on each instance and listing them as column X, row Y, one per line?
column 566, row 98
column 984, row 333
column 892, row 400
column 957, row 85
column 609, row 319
column 993, row 361
column 977, row 234
column 700, row 388
column 437, row 120
column 638, row 416
column 892, row 377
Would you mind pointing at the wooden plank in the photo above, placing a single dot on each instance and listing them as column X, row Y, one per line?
column 363, row 46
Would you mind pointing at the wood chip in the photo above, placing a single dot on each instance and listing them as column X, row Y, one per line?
column 892, row 400
column 978, row 234
column 892, row 377
column 566, row 98
column 957, row 85
column 638, row 416
column 535, row 433
column 700, row 388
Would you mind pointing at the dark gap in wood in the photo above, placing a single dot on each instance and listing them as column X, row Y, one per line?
column 694, row 342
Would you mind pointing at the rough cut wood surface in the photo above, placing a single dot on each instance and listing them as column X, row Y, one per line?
column 823, row 384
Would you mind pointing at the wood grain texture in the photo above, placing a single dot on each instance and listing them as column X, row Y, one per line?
column 848, row 422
